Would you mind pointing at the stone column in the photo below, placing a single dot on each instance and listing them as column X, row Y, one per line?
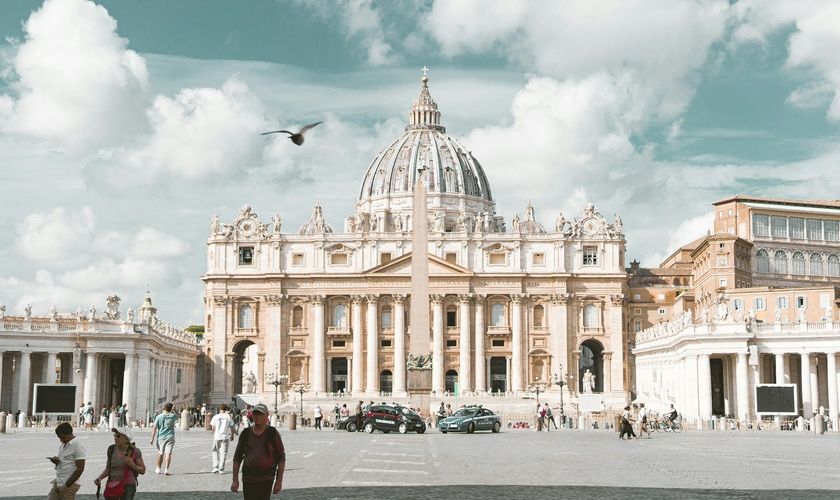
column 358, row 363
column 399, row 346
column 704, row 386
column 691, row 387
column 464, row 375
column 815, row 386
column 222, row 318
column 807, row 409
column 831, row 375
column 516, row 348
column 741, row 378
column 319, row 375
column 2, row 354
column 438, row 379
column 480, row 335
column 780, row 369
column 143, row 401
column 607, row 372
column 49, row 370
column 372, row 386
column 25, row 382
column 129, row 382
column 90, row 370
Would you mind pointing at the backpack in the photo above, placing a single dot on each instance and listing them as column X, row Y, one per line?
column 128, row 451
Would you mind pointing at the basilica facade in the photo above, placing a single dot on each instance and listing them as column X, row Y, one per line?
column 514, row 305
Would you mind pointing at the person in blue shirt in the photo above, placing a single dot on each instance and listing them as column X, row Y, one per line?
column 164, row 430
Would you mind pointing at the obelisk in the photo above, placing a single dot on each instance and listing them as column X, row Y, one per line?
column 419, row 358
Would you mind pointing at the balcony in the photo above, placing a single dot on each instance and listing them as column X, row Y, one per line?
column 498, row 330
column 245, row 332
column 339, row 330
column 298, row 330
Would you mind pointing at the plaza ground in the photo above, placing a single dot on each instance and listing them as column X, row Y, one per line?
column 512, row 464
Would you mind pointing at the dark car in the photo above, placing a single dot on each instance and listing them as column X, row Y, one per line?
column 469, row 420
column 387, row 418
column 350, row 424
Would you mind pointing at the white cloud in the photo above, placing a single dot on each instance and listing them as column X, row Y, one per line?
column 201, row 133
column 76, row 82
column 55, row 235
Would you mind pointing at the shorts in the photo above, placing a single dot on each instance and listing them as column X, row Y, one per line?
column 165, row 445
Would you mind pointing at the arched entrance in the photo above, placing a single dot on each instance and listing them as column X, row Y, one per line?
column 451, row 380
column 386, row 381
column 244, row 363
column 592, row 359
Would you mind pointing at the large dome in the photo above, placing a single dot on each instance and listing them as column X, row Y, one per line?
column 454, row 179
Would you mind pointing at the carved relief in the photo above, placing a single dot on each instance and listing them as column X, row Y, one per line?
column 220, row 301
column 436, row 298
column 617, row 299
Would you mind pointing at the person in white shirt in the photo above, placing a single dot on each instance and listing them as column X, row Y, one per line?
column 223, row 433
column 318, row 417
column 643, row 418
column 69, row 464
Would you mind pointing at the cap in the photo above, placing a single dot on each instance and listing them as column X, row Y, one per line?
column 125, row 431
column 260, row 408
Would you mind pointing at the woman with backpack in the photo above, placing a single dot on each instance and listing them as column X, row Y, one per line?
column 123, row 465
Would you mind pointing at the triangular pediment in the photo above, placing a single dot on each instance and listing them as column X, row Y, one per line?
column 402, row 266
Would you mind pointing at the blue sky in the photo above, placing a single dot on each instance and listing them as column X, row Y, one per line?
column 124, row 126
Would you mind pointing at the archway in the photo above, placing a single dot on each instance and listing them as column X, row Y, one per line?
column 244, row 363
column 451, row 380
column 592, row 359
column 498, row 374
column 338, row 374
column 386, row 381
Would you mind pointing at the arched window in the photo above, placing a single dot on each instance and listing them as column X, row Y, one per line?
column 246, row 317
column 816, row 265
column 297, row 317
column 833, row 267
column 451, row 378
column 387, row 321
column 797, row 263
column 590, row 316
column 386, row 381
column 339, row 316
column 780, row 262
column 497, row 315
column 762, row 261
column 539, row 312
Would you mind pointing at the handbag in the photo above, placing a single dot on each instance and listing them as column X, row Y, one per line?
column 115, row 489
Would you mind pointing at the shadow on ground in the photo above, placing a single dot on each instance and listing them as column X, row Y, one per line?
column 514, row 492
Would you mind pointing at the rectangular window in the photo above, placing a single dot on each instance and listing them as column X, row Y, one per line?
column 338, row 259
column 539, row 259
column 637, row 296
column 637, row 312
column 782, row 303
column 638, row 326
column 759, row 304
column 497, row 259
column 778, row 226
column 451, row 318
column 298, row 259
column 801, row 301
column 662, row 310
column 452, row 257
column 178, row 377
column 761, row 225
column 246, row 256
column 339, row 343
column 386, row 319
column 661, row 296
column 452, row 343
column 832, row 230
column 814, row 227
column 722, row 282
column 385, row 257
column 824, row 300
column 498, row 343
column 590, row 256
column 386, row 343
column 738, row 304
column 796, row 227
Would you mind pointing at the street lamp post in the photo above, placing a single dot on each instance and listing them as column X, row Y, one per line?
column 537, row 387
column 276, row 379
column 301, row 389
column 560, row 380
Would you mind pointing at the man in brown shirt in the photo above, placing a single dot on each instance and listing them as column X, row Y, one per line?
column 261, row 455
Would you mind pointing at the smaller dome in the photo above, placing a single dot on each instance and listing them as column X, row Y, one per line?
column 530, row 224
column 316, row 223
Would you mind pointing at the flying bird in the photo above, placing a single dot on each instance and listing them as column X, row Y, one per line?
column 296, row 138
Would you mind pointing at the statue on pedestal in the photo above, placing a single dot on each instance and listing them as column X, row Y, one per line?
column 250, row 383
column 588, row 382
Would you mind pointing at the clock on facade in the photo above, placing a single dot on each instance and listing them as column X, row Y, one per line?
column 591, row 226
column 247, row 227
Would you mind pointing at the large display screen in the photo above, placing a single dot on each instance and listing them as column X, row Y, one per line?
column 776, row 399
column 55, row 398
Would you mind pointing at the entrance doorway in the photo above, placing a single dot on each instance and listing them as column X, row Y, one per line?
column 244, row 363
column 498, row 374
column 718, row 393
column 592, row 359
column 338, row 375
column 451, row 380
column 386, row 381
column 116, row 373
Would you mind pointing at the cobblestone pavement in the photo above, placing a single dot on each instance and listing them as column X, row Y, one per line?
column 513, row 464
